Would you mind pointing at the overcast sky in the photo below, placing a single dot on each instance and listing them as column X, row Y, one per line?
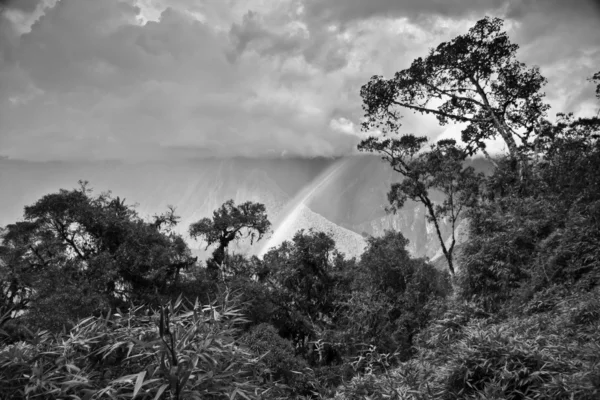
column 103, row 79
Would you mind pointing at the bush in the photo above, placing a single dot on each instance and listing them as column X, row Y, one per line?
column 391, row 299
column 551, row 352
column 180, row 352
column 493, row 358
column 408, row 380
column 278, row 355
column 529, row 233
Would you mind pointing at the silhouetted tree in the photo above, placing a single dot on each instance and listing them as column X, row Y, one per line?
column 475, row 79
column 229, row 223
column 74, row 244
column 439, row 169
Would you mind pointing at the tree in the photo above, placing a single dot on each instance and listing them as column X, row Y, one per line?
column 98, row 245
column 229, row 223
column 301, row 268
column 596, row 79
column 15, row 283
column 309, row 279
column 474, row 79
column 391, row 292
column 439, row 169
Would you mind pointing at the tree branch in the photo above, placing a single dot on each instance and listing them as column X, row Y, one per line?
column 437, row 112
column 448, row 93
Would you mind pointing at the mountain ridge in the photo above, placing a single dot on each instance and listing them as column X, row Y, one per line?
column 352, row 201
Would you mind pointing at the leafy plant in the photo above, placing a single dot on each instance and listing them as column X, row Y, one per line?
column 180, row 352
column 278, row 355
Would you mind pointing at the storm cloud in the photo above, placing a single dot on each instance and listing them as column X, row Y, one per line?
column 124, row 79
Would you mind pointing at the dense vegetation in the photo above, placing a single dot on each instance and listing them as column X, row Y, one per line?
column 98, row 303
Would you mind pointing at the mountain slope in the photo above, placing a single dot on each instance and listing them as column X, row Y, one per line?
column 351, row 203
column 348, row 242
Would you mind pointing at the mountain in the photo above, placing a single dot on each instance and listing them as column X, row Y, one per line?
column 344, row 196
column 347, row 242
column 356, row 200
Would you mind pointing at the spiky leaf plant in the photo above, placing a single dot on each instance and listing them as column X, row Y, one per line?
column 182, row 351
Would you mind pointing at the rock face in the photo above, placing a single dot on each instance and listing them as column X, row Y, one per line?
column 347, row 242
column 357, row 201
column 412, row 222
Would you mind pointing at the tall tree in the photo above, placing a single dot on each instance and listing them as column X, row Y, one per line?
column 391, row 290
column 303, row 274
column 229, row 223
column 475, row 79
column 439, row 169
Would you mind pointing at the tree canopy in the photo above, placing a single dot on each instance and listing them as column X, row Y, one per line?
column 475, row 79
column 97, row 246
column 230, row 222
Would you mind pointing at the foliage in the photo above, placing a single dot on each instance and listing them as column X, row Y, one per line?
column 596, row 79
column 229, row 223
column 523, row 323
column 477, row 80
column 440, row 169
column 303, row 275
column 391, row 298
column 520, row 320
column 467, row 354
column 180, row 352
column 258, row 301
column 96, row 248
column 540, row 231
column 278, row 355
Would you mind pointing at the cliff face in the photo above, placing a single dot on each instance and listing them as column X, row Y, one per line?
column 412, row 222
column 357, row 201
column 347, row 242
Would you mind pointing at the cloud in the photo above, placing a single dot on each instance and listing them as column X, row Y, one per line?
column 284, row 39
column 289, row 36
column 564, row 40
column 20, row 5
column 352, row 10
column 94, row 82
column 146, row 79
column 561, row 37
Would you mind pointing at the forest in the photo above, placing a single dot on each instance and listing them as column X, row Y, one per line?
column 97, row 302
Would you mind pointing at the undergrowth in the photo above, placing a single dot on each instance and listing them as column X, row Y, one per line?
column 551, row 351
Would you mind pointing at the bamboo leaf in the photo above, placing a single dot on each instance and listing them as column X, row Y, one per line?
column 139, row 382
column 160, row 391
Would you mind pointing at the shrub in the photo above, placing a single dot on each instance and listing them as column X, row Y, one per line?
column 180, row 352
column 494, row 358
column 408, row 380
column 278, row 355
column 551, row 352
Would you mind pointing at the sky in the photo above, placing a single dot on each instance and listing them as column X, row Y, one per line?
column 171, row 79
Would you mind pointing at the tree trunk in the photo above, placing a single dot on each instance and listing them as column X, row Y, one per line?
column 504, row 132
column 447, row 254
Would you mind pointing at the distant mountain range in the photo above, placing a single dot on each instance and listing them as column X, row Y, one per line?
column 343, row 196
